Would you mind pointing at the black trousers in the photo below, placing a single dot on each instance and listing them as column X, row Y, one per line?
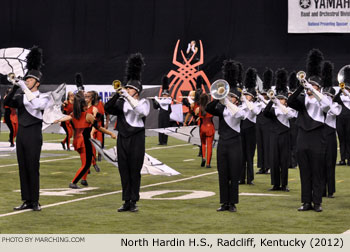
column 280, row 150
column 311, row 148
column 229, row 158
column 263, row 145
column 331, row 159
column 343, row 131
column 131, row 152
column 28, row 147
column 248, row 150
column 293, row 143
column 163, row 122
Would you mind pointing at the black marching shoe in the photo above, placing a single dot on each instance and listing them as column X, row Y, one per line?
column 25, row 205
column 284, row 189
column 318, row 208
column 133, row 207
column 275, row 188
column 125, row 207
column 232, row 208
column 74, row 186
column 36, row 206
column 84, row 182
column 208, row 166
column 241, row 182
column 331, row 196
column 250, row 183
column 97, row 169
column 12, row 145
column 223, row 207
column 305, row 207
column 203, row 162
column 261, row 171
column 341, row 162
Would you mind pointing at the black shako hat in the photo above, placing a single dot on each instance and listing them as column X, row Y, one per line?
column 34, row 63
column 134, row 67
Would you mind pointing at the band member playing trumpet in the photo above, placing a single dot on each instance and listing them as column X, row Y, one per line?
column 29, row 138
column 229, row 150
column 277, row 110
column 343, row 122
column 311, row 142
column 163, row 104
column 131, row 113
column 248, row 132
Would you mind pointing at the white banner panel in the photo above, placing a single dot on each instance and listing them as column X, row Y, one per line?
column 318, row 16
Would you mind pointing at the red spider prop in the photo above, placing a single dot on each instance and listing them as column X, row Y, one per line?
column 184, row 79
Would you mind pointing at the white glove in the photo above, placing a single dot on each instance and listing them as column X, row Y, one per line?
column 308, row 85
column 23, row 86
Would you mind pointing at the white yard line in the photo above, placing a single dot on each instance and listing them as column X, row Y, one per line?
column 43, row 161
column 188, row 160
column 5, row 155
column 167, row 147
column 106, row 194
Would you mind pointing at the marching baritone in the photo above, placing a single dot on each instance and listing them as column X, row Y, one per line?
column 131, row 113
column 29, row 138
column 229, row 150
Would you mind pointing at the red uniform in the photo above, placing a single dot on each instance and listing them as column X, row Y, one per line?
column 207, row 132
column 98, row 134
column 67, row 126
column 82, row 145
column 90, row 111
column 11, row 120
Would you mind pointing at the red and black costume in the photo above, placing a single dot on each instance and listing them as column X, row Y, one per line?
column 207, row 133
column 11, row 120
column 67, row 126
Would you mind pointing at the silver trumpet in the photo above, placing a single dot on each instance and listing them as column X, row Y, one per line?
column 11, row 77
column 301, row 76
column 219, row 91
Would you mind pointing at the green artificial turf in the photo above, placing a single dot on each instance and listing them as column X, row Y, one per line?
column 256, row 214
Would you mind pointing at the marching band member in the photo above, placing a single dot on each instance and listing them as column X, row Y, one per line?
column 206, row 130
column 163, row 104
column 263, row 126
column 343, row 122
column 67, row 126
column 131, row 113
column 98, row 134
column 330, row 128
column 29, row 138
column 292, row 84
column 248, row 133
column 229, row 150
column 11, row 120
column 311, row 142
column 280, row 114
column 83, row 121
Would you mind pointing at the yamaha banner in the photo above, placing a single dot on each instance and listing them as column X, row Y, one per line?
column 318, row 16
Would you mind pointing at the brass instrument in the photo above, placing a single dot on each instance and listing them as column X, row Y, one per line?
column 219, row 91
column 341, row 78
column 270, row 93
column 117, row 84
column 301, row 76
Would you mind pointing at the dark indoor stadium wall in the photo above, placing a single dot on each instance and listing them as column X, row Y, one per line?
column 95, row 36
